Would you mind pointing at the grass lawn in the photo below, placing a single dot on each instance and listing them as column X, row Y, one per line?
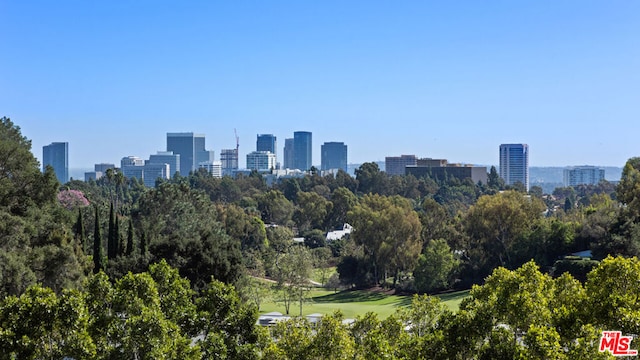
column 353, row 303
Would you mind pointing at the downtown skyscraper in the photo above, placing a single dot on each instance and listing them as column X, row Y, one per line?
column 191, row 148
column 266, row 142
column 56, row 155
column 302, row 150
column 287, row 154
column 514, row 164
column 333, row 155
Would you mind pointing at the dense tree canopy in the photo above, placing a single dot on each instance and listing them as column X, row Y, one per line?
column 411, row 234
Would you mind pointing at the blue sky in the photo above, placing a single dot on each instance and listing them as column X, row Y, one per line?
column 446, row 79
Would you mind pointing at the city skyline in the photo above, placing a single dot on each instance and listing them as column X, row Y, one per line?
column 439, row 80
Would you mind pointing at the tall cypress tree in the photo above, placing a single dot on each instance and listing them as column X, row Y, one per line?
column 117, row 240
column 129, row 246
column 79, row 230
column 143, row 245
column 112, row 248
column 98, row 253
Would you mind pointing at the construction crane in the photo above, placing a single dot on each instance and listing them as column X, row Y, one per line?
column 237, row 140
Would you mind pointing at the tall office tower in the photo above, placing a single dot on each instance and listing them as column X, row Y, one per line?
column 229, row 161
column 302, row 150
column 267, row 142
column 395, row 165
column 288, row 154
column 514, row 164
column 191, row 148
column 165, row 157
column 333, row 156
column 57, row 155
column 583, row 175
column 261, row 160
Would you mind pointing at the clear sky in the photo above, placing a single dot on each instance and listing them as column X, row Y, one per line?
column 443, row 79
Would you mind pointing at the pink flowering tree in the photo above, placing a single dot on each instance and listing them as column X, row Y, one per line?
column 72, row 199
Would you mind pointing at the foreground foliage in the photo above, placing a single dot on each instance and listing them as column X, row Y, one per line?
column 516, row 314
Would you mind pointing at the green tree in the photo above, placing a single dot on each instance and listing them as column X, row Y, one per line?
column 179, row 225
column 112, row 237
column 292, row 340
column 612, row 293
column 140, row 329
column 78, row 229
column 332, row 339
column 321, row 258
column 246, row 227
column 98, row 252
column 389, row 230
column 176, row 297
column 436, row 222
column 274, row 207
column 343, row 200
column 128, row 248
column 435, row 266
column 370, row 179
column 22, row 185
column 628, row 190
column 292, row 272
column 494, row 181
column 424, row 314
column 39, row 325
column 227, row 324
column 497, row 223
column 311, row 211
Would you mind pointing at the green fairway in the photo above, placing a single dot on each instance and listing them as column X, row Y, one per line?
column 353, row 303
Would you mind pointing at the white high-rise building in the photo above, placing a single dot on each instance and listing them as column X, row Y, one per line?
column 213, row 167
column 582, row 175
column 261, row 160
column 514, row 164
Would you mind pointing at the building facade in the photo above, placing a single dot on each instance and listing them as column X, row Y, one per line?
column 266, row 142
column 214, row 168
column 152, row 172
column 582, row 175
column 261, row 161
column 191, row 148
column 395, row 165
column 229, row 161
column 514, row 164
column 99, row 170
column 145, row 171
column 132, row 167
column 333, row 155
column 287, row 161
column 477, row 174
column 166, row 157
column 56, row 155
column 302, row 154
